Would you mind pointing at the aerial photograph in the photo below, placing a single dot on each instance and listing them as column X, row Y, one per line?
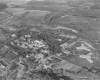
column 49, row 39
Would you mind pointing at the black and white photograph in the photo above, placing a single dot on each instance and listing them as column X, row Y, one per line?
column 49, row 39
